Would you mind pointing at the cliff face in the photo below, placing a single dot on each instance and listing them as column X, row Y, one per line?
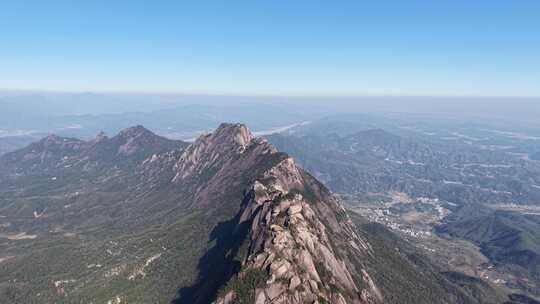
column 301, row 247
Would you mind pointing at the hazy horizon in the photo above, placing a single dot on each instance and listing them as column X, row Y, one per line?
column 18, row 91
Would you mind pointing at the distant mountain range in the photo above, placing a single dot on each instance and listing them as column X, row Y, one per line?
column 375, row 160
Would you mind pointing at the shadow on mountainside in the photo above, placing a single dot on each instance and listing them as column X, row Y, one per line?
column 218, row 265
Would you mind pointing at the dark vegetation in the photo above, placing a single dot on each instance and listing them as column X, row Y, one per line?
column 509, row 239
column 219, row 265
column 244, row 286
column 402, row 267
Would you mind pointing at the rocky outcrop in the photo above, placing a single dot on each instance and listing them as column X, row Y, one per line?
column 212, row 149
column 301, row 246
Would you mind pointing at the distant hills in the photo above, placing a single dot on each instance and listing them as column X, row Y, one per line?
column 375, row 160
column 509, row 239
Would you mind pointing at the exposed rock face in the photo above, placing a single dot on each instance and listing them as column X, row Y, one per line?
column 301, row 246
column 300, row 242
column 229, row 158
column 212, row 149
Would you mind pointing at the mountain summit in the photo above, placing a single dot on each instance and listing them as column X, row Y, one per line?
column 294, row 242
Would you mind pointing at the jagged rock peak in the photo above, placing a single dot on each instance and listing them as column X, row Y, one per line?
column 218, row 148
column 100, row 137
column 302, row 247
column 235, row 133
column 135, row 131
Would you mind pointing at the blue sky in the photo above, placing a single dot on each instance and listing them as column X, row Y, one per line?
column 273, row 47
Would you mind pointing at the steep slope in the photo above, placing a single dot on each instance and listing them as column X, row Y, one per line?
column 301, row 248
column 285, row 215
column 399, row 266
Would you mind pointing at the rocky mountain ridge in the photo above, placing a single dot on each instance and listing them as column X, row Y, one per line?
column 300, row 240
column 136, row 218
column 297, row 236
